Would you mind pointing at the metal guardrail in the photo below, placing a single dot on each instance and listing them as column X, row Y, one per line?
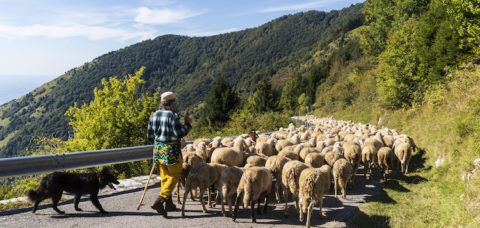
column 18, row 166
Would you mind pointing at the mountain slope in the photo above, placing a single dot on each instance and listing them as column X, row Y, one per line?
column 186, row 65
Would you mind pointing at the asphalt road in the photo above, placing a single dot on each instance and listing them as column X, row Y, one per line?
column 121, row 206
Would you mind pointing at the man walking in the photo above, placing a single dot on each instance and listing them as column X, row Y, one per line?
column 166, row 130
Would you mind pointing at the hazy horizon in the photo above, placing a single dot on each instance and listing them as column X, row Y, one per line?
column 15, row 86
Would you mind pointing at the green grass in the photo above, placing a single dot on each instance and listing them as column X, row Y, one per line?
column 446, row 125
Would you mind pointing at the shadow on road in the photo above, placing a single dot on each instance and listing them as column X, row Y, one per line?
column 363, row 220
column 94, row 214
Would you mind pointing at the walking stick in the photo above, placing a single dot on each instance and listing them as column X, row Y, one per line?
column 146, row 187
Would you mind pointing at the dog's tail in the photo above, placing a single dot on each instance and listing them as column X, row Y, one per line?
column 33, row 195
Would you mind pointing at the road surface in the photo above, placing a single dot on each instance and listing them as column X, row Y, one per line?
column 121, row 205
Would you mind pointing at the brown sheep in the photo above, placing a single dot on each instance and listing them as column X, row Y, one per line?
column 256, row 159
column 229, row 182
column 332, row 157
column 189, row 161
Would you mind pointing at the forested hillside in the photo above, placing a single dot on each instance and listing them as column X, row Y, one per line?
column 186, row 65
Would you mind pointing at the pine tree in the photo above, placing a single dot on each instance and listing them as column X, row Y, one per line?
column 263, row 99
column 219, row 104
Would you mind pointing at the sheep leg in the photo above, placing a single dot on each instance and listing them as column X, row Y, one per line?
column 309, row 212
column 259, row 209
column 208, row 197
column 223, row 199
column 185, row 194
column 296, row 204
column 234, row 216
column 320, row 206
column 343, row 188
column 285, row 196
column 193, row 194
column 406, row 166
column 266, row 203
column 335, row 183
column 252, row 210
column 277, row 192
column 202, row 191
column 178, row 193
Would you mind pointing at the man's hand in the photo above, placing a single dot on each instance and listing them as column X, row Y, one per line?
column 188, row 120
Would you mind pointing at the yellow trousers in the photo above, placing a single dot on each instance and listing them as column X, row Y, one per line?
column 170, row 175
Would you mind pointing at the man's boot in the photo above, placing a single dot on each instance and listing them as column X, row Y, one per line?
column 158, row 206
column 169, row 205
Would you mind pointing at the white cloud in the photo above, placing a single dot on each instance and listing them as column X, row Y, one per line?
column 163, row 16
column 303, row 6
column 66, row 31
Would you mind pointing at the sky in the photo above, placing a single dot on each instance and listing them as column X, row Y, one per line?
column 41, row 40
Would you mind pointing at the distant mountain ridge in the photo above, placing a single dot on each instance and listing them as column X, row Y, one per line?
column 186, row 65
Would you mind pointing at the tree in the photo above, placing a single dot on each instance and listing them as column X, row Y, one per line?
column 290, row 92
column 117, row 116
column 263, row 99
column 219, row 104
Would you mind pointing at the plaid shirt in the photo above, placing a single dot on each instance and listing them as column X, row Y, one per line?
column 165, row 126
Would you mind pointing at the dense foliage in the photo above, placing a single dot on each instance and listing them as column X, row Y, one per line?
column 188, row 66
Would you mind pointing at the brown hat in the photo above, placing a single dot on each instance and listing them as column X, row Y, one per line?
column 167, row 96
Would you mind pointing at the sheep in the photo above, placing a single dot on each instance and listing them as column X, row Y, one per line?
column 314, row 185
column 329, row 142
column 290, row 176
column 189, row 161
column 385, row 160
column 229, row 180
column 255, row 181
column 342, row 172
column 403, row 152
column 262, row 138
column 230, row 156
column 202, row 176
column 275, row 164
column 389, row 140
column 315, row 160
column 227, row 141
column 189, row 148
column 264, row 148
column 369, row 155
column 201, row 151
column 353, row 154
column 282, row 143
column 332, row 157
column 295, row 139
column 199, row 140
column 289, row 154
column 256, row 159
column 306, row 150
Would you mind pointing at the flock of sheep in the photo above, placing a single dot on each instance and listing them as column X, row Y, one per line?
column 302, row 161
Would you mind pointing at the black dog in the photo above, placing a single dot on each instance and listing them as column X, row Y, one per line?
column 79, row 184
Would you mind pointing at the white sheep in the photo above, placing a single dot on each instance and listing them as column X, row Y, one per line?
column 258, row 160
column 385, row 160
column 314, row 185
column 290, row 177
column 275, row 164
column 403, row 152
column 202, row 176
column 342, row 172
column 254, row 182
column 353, row 154
column 230, row 156
column 315, row 160
column 369, row 157
column 229, row 180
column 189, row 161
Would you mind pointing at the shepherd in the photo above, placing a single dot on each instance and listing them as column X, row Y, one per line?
column 166, row 130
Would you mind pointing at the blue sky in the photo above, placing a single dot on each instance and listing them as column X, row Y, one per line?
column 46, row 38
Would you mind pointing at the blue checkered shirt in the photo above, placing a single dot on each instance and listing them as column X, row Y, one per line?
column 165, row 126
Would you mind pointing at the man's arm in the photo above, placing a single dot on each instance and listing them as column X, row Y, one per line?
column 179, row 129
